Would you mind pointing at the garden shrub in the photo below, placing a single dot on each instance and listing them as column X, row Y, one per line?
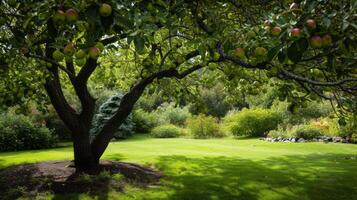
column 18, row 132
column 307, row 132
column 313, row 110
column 211, row 101
column 54, row 123
column 354, row 138
column 279, row 132
column 168, row 113
column 328, row 127
column 252, row 122
column 166, row 131
column 105, row 112
column 204, row 127
column 144, row 121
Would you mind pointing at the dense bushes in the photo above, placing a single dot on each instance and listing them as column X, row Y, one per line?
column 166, row 131
column 171, row 114
column 252, row 122
column 307, row 132
column 54, row 123
column 18, row 132
column 204, row 127
column 144, row 121
column 211, row 101
column 312, row 110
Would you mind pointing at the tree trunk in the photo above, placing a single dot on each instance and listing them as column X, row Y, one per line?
column 83, row 156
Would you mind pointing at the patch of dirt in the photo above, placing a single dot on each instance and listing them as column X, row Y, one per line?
column 61, row 177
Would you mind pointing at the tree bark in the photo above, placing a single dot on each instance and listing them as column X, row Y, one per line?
column 83, row 156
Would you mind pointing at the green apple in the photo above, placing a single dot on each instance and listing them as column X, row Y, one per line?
column 80, row 54
column 100, row 46
column 240, row 53
column 180, row 60
column 58, row 55
column 59, row 16
column 81, row 61
column 261, row 51
column 326, row 40
column 105, row 10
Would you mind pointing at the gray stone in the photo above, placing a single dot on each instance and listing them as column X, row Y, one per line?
column 301, row 140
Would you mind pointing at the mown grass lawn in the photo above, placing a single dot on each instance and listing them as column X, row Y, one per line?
column 225, row 169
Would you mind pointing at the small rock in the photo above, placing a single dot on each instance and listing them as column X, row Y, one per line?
column 301, row 140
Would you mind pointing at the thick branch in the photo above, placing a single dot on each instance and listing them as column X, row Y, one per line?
column 312, row 82
column 86, row 71
column 58, row 100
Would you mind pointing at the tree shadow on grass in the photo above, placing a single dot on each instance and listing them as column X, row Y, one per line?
column 316, row 176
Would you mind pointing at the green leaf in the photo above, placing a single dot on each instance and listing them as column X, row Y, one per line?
column 273, row 52
column 281, row 55
column 139, row 44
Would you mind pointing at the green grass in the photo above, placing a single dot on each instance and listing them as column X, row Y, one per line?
column 226, row 169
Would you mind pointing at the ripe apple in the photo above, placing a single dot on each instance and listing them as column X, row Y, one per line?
column 311, row 23
column 276, row 31
column 59, row 16
column 71, row 15
column 69, row 49
column 80, row 54
column 105, row 10
column 295, row 32
column 94, row 53
column 58, row 55
column 326, row 40
column 261, row 51
column 316, row 42
column 240, row 53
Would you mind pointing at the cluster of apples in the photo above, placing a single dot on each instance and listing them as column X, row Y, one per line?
column 71, row 15
column 316, row 41
column 81, row 55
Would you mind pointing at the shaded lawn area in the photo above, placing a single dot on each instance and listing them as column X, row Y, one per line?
column 225, row 169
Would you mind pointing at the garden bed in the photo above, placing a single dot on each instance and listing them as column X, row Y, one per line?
column 61, row 177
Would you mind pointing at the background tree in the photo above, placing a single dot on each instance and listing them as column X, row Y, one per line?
column 59, row 44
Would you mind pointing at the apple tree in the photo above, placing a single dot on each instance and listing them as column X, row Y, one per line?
column 308, row 47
